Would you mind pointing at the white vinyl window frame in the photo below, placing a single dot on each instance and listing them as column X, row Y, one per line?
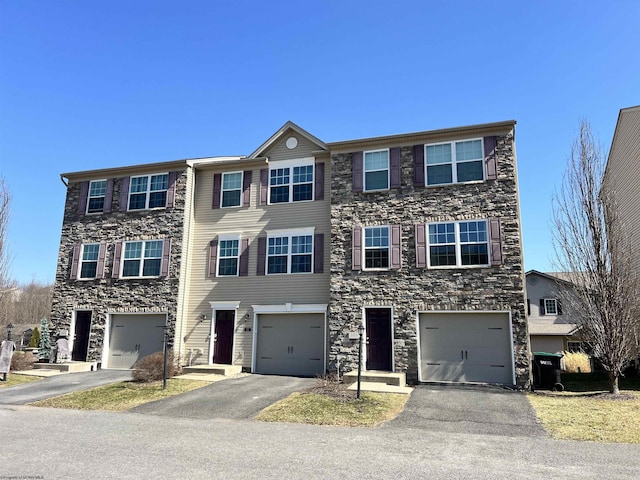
column 373, row 248
column 149, row 252
column 550, row 306
column 89, row 255
column 375, row 170
column 288, row 170
column 235, row 189
column 97, row 191
column 286, row 237
column 223, row 247
column 148, row 192
column 457, row 243
column 454, row 162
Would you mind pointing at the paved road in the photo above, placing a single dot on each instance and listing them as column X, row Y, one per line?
column 233, row 398
column 59, row 385
column 66, row 444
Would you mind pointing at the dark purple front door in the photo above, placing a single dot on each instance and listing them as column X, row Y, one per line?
column 223, row 346
column 379, row 349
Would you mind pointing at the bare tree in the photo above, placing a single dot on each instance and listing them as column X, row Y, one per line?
column 591, row 246
column 7, row 286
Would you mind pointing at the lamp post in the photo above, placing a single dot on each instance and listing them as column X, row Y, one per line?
column 165, row 349
column 360, row 332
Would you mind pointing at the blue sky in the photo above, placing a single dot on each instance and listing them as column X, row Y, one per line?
column 97, row 84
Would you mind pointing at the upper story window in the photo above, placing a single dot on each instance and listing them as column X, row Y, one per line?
column 454, row 162
column 458, row 244
column 148, row 191
column 291, row 181
column 142, row 258
column 231, row 189
column 97, row 193
column 290, row 253
column 550, row 306
column 376, row 247
column 228, row 255
column 376, row 170
column 89, row 260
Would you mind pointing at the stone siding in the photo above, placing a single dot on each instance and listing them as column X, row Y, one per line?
column 413, row 289
column 108, row 295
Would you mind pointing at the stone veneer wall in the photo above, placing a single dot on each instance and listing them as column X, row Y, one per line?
column 410, row 288
column 155, row 295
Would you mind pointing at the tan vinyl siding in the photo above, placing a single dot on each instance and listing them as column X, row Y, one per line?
column 623, row 175
column 249, row 290
column 279, row 150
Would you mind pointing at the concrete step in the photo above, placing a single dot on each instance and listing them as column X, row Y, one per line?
column 216, row 369
column 380, row 387
column 388, row 378
column 67, row 367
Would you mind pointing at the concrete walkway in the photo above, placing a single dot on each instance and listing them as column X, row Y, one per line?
column 59, row 385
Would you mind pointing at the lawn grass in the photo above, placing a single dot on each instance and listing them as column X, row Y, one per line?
column 120, row 396
column 317, row 409
column 585, row 411
column 14, row 379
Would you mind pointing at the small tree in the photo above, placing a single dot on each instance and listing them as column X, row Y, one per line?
column 35, row 338
column 591, row 246
column 44, row 347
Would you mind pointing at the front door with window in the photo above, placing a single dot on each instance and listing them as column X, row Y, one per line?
column 223, row 337
column 81, row 336
column 379, row 348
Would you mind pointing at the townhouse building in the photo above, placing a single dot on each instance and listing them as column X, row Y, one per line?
column 272, row 261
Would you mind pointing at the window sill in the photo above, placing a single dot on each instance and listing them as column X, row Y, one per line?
column 288, row 273
column 473, row 182
column 458, row 267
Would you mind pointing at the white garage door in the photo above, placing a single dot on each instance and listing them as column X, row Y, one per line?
column 466, row 347
column 290, row 344
column 133, row 337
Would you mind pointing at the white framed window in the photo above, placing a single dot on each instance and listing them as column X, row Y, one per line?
column 376, row 170
column 290, row 252
column 454, row 162
column 376, row 248
column 458, row 244
column 89, row 260
column 148, row 191
column 97, row 193
column 231, row 189
column 228, row 255
column 291, row 181
column 550, row 306
column 142, row 258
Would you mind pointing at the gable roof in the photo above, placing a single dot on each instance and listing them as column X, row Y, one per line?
column 558, row 277
column 281, row 131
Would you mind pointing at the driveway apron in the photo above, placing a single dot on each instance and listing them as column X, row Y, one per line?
column 234, row 398
column 469, row 409
column 59, row 385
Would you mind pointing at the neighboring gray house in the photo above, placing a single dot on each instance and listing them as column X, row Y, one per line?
column 551, row 328
column 270, row 262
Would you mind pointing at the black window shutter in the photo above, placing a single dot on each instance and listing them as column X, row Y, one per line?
column 217, row 188
column 244, row 258
column 559, row 306
column 395, row 170
column 82, row 201
column 542, row 312
column 528, row 307
column 318, row 253
column 262, row 255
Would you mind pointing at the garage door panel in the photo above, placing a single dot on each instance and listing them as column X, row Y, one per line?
column 133, row 337
column 290, row 344
column 465, row 347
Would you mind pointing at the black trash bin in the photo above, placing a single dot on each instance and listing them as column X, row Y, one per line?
column 546, row 371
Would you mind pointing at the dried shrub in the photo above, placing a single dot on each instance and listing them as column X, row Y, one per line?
column 331, row 386
column 150, row 368
column 22, row 361
column 577, row 362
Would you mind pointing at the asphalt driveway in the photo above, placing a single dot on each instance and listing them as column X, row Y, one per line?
column 484, row 410
column 233, row 398
column 59, row 385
